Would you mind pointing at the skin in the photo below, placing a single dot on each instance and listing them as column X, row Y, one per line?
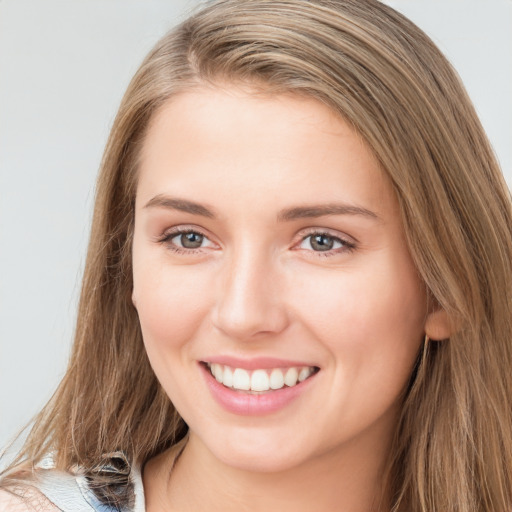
column 257, row 287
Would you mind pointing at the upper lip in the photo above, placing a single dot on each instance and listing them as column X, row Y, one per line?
column 256, row 363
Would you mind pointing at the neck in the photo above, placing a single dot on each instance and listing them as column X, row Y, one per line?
column 346, row 479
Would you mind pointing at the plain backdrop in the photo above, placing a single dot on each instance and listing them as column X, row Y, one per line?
column 64, row 65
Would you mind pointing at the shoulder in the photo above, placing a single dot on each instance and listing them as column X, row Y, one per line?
column 26, row 500
column 11, row 502
column 113, row 486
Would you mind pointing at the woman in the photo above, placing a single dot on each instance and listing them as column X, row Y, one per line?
column 298, row 286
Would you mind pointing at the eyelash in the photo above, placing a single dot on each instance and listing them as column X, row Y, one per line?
column 166, row 238
column 346, row 245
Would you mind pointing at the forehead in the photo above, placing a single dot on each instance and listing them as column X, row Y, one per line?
column 239, row 144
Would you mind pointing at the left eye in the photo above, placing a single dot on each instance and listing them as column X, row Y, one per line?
column 190, row 240
column 321, row 242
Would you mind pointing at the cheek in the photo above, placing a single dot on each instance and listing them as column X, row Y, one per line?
column 170, row 303
column 366, row 314
column 371, row 323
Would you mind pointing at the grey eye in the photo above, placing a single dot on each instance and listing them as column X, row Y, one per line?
column 190, row 240
column 321, row 242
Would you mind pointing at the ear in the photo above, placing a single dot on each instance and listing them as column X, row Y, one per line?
column 438, row 325
column 134, row 300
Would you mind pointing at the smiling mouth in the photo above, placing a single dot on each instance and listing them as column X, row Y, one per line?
column 260, row 380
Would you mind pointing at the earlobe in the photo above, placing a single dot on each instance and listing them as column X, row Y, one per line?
column 438, row 325
column 134, row 300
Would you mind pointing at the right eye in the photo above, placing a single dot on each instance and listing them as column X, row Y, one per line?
column 182, row 240
column 188, row 240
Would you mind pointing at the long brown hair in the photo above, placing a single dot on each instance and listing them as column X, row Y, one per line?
column 453, row 444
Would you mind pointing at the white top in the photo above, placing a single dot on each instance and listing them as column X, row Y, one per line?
column 52, row 490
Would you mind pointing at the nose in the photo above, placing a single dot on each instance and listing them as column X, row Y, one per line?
column 250, row 298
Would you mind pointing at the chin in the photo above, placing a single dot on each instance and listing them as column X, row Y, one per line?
column 256, row 451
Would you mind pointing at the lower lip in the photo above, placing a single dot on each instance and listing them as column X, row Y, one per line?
column 247, row 404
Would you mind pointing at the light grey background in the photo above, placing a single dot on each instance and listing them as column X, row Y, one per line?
column 64, row 65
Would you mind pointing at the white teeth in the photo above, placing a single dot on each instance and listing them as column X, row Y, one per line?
column 304, row 373
column 241, row 379
column 228, row 377
column 290, row 379
column 259, row 380
column 276, row 379
column 217, row 372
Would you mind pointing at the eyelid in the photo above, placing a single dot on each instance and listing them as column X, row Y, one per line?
column 169, row 233
column 349, row 242
column 344, row 237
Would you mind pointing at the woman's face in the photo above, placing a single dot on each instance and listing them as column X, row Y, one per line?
column 268, row 249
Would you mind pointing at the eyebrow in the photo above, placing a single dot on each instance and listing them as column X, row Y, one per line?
column 288, row 214
column 183, row 205
column 302, row 212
